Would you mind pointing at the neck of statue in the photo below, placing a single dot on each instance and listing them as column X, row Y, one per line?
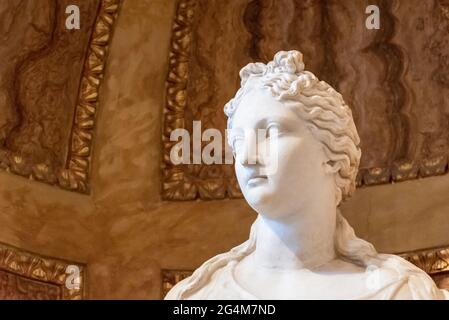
column 297, row 241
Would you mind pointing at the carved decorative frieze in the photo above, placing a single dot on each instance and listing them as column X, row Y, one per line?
column 49, row 88
column 433, row 261
column 172, row 277
column 394, row 79
column 28, row 276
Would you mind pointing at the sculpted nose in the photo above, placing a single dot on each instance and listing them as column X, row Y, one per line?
column 249, row 153
column 247, row 157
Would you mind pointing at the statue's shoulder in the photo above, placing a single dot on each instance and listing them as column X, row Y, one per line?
column 406, row 281
column 211, row 272
column 174, row 292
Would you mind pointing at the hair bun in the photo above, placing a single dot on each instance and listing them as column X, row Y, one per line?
column 287, row 62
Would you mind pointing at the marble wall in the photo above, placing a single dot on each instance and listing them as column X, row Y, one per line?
column 125, row 233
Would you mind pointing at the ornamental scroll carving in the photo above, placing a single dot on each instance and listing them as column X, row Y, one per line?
column 395, row 79
column 28, row 276
column 49, row 87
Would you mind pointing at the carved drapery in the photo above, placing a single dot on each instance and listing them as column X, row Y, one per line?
column 28, row 276
column 49, row 88
column 395, row 79
column 435, row 262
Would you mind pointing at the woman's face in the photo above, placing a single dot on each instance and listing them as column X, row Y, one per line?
column 279, row 165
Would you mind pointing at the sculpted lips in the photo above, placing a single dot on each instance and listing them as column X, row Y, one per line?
column 257, row 180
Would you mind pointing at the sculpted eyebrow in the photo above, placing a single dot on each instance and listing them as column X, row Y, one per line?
column 282, row 120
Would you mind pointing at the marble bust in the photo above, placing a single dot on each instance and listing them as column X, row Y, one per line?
column 300, row 246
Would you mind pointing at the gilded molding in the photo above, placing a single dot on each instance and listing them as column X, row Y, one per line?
column 175, row 185
column 74, row 176
column 432, row 261
column 48, row 271
column 172, row 277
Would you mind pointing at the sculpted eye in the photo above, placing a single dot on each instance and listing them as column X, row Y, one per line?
column 236, row 143
column 235, row 135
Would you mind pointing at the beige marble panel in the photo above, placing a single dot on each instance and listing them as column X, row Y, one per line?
column 402, row 217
